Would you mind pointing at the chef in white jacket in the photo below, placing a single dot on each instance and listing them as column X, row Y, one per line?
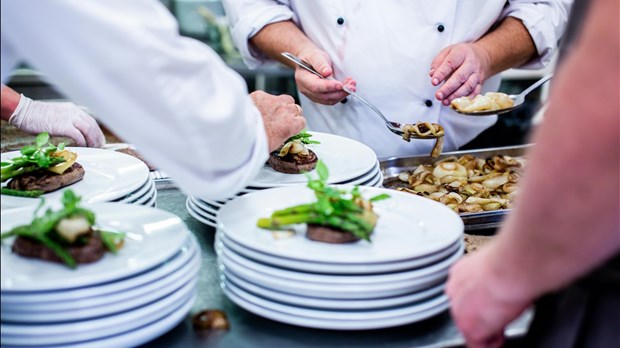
column 409, row 58
column 171, row 96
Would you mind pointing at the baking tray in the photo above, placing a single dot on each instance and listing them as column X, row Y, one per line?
column 391, row 167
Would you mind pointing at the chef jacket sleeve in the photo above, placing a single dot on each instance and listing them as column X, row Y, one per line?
column 247, row 18
column 545, row 21
column 172, row 97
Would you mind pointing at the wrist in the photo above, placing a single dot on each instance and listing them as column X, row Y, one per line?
column 484, row 57
column 20, row 111
column 507, row 278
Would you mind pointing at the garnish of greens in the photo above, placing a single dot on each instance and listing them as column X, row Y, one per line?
column 33, row 157
column 43, row 228
column 297, row 144
column 304, row 137
column 337, row 208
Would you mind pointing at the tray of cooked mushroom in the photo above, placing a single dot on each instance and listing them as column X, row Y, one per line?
column 480, row 185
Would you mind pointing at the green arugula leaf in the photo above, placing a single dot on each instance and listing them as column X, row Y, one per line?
column 42, row 139
column 322, row 170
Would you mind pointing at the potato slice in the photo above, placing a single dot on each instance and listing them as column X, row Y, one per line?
column 70, row 158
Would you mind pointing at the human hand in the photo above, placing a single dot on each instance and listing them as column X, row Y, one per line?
column 59, row 119
column 281, row 116
column 482, row 304
column 463, row 68
column 322, row 91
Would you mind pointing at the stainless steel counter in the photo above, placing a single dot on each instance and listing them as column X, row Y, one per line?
column 249, row 330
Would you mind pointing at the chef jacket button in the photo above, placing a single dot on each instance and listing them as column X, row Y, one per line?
column 440, row 28
column 344, row 101
column 428, row 103
column 340, row 21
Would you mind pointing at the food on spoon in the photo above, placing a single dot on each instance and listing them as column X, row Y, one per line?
column 488, row 102
column 67, row 236
column 466, row 184
column 41, row 168
column 294, row 157
column 337, row 216
column 426, row 129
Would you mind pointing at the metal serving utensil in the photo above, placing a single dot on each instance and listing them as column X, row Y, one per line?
column 518, row 100
column 394, row 127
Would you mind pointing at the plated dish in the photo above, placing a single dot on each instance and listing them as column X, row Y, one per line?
column 108, row 176
column 294, row 156
column 68, row 235
column 336, row 216
column 40, row 167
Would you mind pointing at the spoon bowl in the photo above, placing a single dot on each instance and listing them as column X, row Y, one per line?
column 518, row 100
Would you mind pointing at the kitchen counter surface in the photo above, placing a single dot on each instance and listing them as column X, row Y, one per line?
column 249, row 330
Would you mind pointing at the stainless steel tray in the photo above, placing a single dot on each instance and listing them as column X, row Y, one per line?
column 391, row 167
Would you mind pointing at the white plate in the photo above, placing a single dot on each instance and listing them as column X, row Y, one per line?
column 109, row 175
column 335, row 291
column 408, row 276
column 360, row 315
column 141, row 192
column 141, row 335
column 214, row 204
column 194, row 213
column 409, row 226
column 147, row 198
column 152, row 236
column 345, row 158
column 335, row 268
column 152, row 202
column 203, row 207
column 114, row 290
column 102, row 306
column 340, row 304
column 333, row 324
column 48, row 334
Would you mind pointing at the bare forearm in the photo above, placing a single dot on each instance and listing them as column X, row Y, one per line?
column 507, row 46
column 10, row 99
column 280, row 37
column 567, row 216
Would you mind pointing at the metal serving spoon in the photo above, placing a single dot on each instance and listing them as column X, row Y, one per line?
column 518, row 100
column 394, row 127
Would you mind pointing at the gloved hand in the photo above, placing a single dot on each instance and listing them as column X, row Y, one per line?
column 59, row 119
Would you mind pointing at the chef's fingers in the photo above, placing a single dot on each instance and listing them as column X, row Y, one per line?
column 73, row 133
column 464, row 77
column 320, row 62
column 332, row 98
column 465, row 89
column 314, row 84
column 285, row 99
column 437, row 63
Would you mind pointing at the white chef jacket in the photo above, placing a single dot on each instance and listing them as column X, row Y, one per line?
column 172, row 97
column 388, row 47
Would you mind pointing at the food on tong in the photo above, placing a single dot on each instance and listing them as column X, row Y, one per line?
column 426, row 129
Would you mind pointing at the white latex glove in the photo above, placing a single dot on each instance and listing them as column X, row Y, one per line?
column 59, row 119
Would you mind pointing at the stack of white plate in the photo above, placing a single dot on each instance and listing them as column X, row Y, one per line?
column 109, row 176
column 121, row 300
column 349, row 163
column 396, row 279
